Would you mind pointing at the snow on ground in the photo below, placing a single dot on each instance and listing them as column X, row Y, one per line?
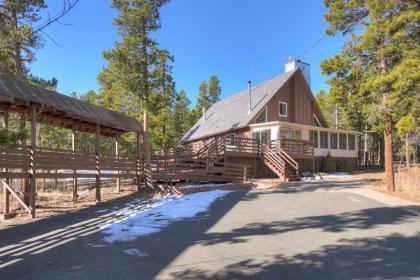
column 338, row 175
column 151, row 216
column 334, row 175
column 136, row 252
column 311, row 178
column 193, row 186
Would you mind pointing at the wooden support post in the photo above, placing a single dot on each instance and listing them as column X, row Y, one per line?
column 97, row 151
column 73, row 148
column 32, row 158
column 6, row 193
column 138, row 163
column 117, row 157
column 146, row 149
column 25, row 185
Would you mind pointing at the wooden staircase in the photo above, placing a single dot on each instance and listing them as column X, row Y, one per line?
column 212, row 162
column 281, row 163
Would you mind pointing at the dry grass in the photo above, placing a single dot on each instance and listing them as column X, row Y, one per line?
column 407, row 182
column 55, row 202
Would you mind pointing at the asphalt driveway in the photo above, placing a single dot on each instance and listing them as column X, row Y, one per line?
column 296, row 232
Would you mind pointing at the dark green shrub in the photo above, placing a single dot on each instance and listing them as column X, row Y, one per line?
column 328, row 165
column 345, row 166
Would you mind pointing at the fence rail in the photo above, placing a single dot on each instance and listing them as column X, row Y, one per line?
column 56, row 163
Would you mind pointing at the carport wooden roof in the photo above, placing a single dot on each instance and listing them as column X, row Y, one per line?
column 62, row 110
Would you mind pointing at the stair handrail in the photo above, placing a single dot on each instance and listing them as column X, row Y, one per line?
column 276, row 146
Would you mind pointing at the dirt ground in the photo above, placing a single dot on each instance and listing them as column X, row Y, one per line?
column 407, row 182
column 51, row 203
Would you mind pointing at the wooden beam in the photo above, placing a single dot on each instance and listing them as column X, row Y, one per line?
column 73, row 148
column 118, row 182
column 6, row 193
column 97, row 152
column 138, row 147
column 32, row 168
column 16, row 196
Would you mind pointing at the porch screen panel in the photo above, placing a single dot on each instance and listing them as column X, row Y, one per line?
column 296, row 134
column 324, row 139
column 343, row 141
column 333, row 140
column 284, row 133
column 313, row 136
column 352, row 142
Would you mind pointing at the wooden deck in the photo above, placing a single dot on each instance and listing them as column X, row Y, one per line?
column 223, row 159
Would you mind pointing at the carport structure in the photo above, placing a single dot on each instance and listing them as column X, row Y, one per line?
column 30, row 162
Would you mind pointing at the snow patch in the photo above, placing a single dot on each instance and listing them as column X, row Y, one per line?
column 311, row 178
column 204, row 185
column 136, row 252
column 151, row 216
column 102, row 211
column 338, row 174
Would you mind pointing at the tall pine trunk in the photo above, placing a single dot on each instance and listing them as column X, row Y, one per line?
column 407, row 153
column 389, row 159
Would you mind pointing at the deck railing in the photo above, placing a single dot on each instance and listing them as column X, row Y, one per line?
column 294, row 147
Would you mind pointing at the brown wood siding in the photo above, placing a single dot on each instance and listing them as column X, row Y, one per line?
column 300, row 105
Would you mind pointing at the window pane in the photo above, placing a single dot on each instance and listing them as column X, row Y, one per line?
column 313, row 136
column 265, row 136
column 262, row 117
column 343, row 141
column 324, row 139
column 282, row 109
column 284, row 133
column 352, row 142
column 296, row 134
column 316, row 122
column 333, row 140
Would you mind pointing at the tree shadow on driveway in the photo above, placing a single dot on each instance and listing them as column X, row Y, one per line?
column 391, row 257
column 71, row 246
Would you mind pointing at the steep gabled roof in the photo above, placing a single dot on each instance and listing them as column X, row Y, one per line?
column 21, row 94
column 232, row 112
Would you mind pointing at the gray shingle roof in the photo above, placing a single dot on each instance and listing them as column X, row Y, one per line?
column 13, row 89
column 232, row 112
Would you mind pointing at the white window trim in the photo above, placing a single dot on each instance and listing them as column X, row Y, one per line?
column 278, row 108
column 317, row 121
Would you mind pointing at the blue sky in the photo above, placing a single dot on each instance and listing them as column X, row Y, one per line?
column 237, row 40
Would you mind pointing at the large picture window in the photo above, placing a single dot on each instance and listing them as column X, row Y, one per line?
column 343, row 141
column 323, row 137
column 333, row 140
column 263, row 135
column 313, row 136
column 282, row 109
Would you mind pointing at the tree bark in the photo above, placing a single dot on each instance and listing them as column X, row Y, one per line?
column 389, row 163
column 17, row 50
column 407, row 154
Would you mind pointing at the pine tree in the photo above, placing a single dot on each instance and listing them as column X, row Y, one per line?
column 181, row 115
column 214, row 89
column 203, row 100
column 17, row 39
column 136, row 65
column 380, row 62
